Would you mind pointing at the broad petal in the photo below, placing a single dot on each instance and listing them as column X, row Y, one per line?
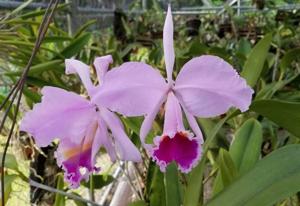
column 193, row 124
column 132, row 89
column 168, row 44
column 208, row 86
column 78, row 159
column 149, row 118
column 182, row 148
column 61, row 114
column 74, row 66
column 101, row 64
column 105, row 140
column 173, row 115
column 124, row 147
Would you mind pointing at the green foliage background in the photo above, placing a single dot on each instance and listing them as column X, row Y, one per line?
column 249, row 159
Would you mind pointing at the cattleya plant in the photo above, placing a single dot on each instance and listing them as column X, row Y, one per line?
column 206, row 86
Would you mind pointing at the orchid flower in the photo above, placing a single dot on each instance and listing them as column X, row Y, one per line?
column 206, row 86
column 80, row 125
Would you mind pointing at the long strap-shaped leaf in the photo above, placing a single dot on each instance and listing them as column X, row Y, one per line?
column 275, row 177
column 255, row 62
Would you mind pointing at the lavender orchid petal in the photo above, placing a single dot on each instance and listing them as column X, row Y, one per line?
column 101, row 64
column 124, row 147
column 149, row 119
column 168, row 44
column 74, row 66
column 105, row 140
column 208, row 86
column 193, row 124
column 131, row 89
column 53, row 118
column 79, row 125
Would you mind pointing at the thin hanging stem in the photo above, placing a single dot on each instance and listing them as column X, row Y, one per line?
column 69, row 195
column 19, row 86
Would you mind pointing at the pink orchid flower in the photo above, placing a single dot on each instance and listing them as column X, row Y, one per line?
column 206, row 86
column 80, row 125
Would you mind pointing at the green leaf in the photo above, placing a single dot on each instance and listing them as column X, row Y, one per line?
column 76, row 45
column 18, row 9
column 60, row 199
column 194, row 187
column 35, row 81
column 244, row 47
column 99, row 181
column 12, row 110
column 32, row 96
column 10, row 162
column 246, row 146
column 134, row 123
column 84, row 27
column 138, row 203
column 273, row 178
column 218, row 184
column 39, row 68
column 172, row 186
column 270, row 89
column 41, row 12
column 228, row 170
column 25, row 46
column 255, row 62
column 53, row 39
column 157, row 189
column 8, row 180
column 78, row 202
column 288, row 58
column 285, row 114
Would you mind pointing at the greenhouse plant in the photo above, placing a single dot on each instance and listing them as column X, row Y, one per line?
column 150, row 103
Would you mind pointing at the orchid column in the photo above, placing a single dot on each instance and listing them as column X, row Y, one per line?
column 206, row 86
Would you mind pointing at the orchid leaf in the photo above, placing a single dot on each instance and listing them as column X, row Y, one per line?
column 245, row 149
column 288, row 58
column 172, row 186
column 60, row 200
column 255, row 62
column 138, row 203
column 194, row 188
column 285, row 114
column 99, row 181
column 228, row 169
column 83, row 28
column 10, row 162
column 78, row 202
column 39, row 68
column 76, row 45
column 273, row 178
column 156, row 188
column 8, row 180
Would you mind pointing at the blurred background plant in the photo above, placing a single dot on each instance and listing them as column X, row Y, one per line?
column 260, row 38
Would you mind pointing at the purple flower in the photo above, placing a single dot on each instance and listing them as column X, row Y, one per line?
column 80, row 125
column 206, row 86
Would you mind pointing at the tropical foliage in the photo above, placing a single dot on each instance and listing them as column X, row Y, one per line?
column 249, row 158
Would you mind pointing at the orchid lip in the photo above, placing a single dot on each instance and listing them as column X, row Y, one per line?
column 180, row 147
